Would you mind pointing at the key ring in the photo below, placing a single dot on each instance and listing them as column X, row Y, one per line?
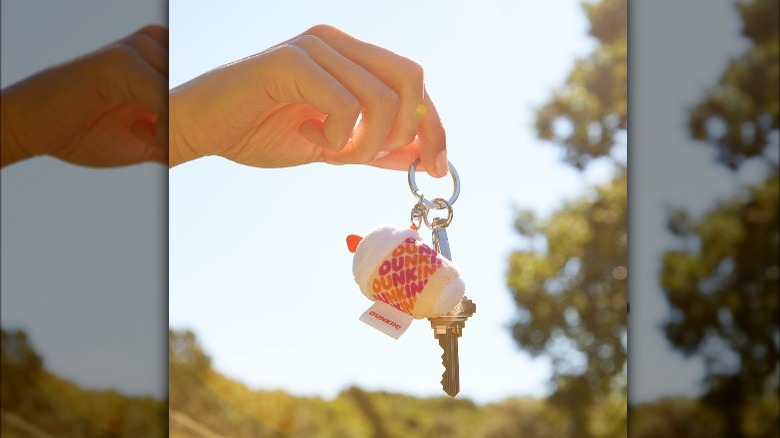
column 419, row 196
column 439, row 222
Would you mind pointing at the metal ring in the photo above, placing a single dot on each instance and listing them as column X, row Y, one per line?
column 438, row 202
column 418, row 195
column 418, row 211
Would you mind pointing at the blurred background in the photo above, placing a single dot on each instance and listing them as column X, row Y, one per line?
column 703, row 218
column 84, row 255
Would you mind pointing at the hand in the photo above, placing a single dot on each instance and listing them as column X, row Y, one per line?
column 107, row 108
column 298, row 103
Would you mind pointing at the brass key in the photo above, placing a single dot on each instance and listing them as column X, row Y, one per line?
column 449, row 327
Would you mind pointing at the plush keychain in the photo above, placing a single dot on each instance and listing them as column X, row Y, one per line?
column 394, row 266
column 407, row 279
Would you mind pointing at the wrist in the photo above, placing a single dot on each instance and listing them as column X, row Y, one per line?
column 180, row 149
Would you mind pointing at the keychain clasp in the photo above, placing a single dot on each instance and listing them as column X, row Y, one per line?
column 419, row 196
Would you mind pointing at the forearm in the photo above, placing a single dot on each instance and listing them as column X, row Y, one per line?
column 12, row 119
column 35, row 113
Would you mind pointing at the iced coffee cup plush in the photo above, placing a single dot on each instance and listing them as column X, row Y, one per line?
column 393, row 265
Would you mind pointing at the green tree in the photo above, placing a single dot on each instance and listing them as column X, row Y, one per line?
column 572, row 298
column 722, row 285
column 585, row 114
column 570, row 284
column 721, row 279
column 20, row 364
column 186, row 358
column 739, row 114
column 36, row 402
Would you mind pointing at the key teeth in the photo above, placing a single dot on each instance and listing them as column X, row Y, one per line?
column 452, row 392
column 445, row 359
column 445, row 377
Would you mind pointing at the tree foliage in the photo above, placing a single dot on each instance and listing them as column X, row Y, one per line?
column 571, row 292
column 722, row 285
column 584, row 114
column 721, row 279
column 689, row 418
column 206, row 403
column 35, row 402
column 570, row 283
column 739, row 114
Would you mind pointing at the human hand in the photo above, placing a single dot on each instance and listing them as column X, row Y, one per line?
column 298, row 103
column 107, row 108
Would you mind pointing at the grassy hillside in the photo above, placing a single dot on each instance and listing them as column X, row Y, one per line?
column 37, row 403
column 205, row 403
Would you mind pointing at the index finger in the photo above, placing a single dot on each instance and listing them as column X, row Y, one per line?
column 157, row 32
column 391, row 69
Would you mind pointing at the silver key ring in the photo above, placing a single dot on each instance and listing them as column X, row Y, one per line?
column 419, row 196
column 439, row 222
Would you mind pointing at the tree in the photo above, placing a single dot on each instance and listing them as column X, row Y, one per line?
column 570, row 285
column 738, row 115
column 36, row 402
column 722, row 285
column 585, row 114
column 572, row 298
column 721, row 279
column 186, row 364
column 20, row 364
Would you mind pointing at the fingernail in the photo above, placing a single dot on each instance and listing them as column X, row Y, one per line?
column 441, row 164
column 381, row 154
column 327, row 158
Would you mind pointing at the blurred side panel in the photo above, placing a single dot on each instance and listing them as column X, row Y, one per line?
column 703, row 221
column 84, row 256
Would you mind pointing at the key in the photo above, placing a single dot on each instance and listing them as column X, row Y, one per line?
column 449, row 327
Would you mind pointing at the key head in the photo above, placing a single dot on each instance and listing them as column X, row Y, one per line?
column 447, row 328
column 466, row 308
column 453, row 321
column 462, row 311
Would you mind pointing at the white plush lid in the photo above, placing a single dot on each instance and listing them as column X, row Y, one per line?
column 374, row 248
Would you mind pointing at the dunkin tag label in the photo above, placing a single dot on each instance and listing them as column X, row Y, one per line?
column 387, row 319
column 402, row 276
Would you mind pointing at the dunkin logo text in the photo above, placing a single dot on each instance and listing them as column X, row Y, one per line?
column 402, row 276
column 385, row 320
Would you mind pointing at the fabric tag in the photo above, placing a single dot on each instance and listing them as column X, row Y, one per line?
column 387, row 319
